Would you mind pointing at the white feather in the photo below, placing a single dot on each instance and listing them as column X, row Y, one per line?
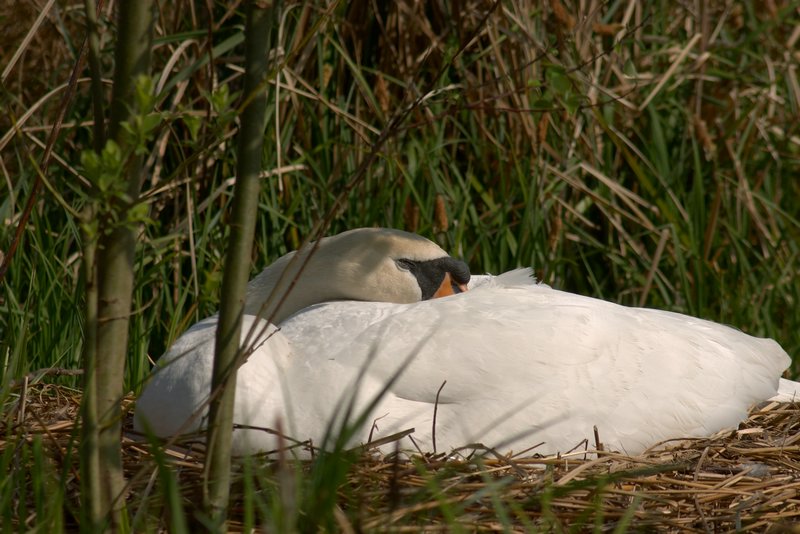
column 521, row 363
column 788, row 391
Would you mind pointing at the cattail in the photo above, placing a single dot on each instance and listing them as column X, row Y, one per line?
column 440, row 222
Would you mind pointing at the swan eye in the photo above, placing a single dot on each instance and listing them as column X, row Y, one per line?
column 405, row 265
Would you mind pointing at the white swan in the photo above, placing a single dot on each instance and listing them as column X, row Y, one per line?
column 363, row 264
column 524, row 364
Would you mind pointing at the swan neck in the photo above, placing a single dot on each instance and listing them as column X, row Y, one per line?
column 279, row 292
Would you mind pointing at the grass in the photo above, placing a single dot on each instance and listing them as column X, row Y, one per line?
column 646, row 153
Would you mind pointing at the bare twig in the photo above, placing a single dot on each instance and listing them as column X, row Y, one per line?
column 435, row 410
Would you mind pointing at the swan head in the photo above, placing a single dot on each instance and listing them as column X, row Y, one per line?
column 371, row 264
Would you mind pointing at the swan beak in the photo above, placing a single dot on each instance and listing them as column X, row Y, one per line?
column 448, row 287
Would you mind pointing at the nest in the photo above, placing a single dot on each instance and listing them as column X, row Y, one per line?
column 742, row 480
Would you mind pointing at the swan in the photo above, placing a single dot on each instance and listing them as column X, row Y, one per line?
column 361, row 265
column 386, row 326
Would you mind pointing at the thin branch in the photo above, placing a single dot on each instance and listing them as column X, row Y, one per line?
column 435, row 410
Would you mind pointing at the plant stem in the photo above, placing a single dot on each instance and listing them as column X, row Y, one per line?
column 115, row 257
column 94, row 503
column 93, row 40
column 237, row 264
column 91, row 494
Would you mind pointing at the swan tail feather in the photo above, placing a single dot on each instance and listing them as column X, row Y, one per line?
column 788, row 391
column 517, row 277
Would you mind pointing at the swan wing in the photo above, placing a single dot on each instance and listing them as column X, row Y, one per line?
column 525, row 364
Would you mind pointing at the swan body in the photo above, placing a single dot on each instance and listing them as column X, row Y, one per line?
column 516, row 366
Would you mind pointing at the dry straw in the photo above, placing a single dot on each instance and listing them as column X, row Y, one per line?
column 742, row 480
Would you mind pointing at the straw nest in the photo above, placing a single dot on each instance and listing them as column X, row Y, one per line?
column 742, row 480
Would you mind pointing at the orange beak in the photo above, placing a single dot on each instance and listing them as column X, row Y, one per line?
column 446, row 288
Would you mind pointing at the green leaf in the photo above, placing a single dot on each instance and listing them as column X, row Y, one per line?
column 572, row 102
column 112, row 156
column 144, row 93
column 138, row 213
column 192, row 123
column 221, row 99
column 558, row 81
column 150, row 122
column 103, row 170
column 90, row 161
column 544, row 103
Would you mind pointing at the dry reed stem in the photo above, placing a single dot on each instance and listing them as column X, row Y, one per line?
column 744, row 479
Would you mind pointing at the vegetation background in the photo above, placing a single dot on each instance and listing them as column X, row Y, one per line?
column 646, row 153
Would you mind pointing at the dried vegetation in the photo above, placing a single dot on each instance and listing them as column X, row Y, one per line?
column 742, row 480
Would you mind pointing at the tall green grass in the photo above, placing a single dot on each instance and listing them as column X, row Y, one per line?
column 640, row 152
